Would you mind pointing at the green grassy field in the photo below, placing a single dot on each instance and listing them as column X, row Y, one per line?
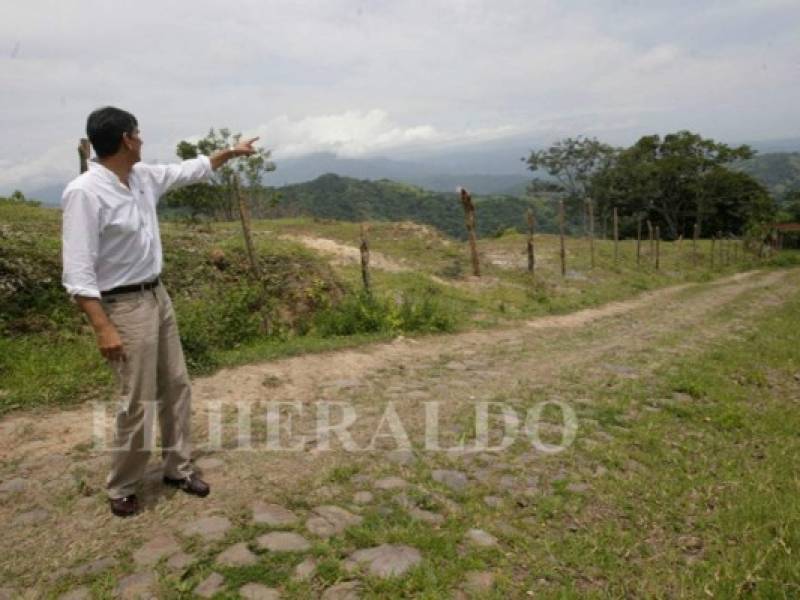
column 47, row 353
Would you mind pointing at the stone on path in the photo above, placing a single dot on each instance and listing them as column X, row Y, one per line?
column 94, row 567
column 238, row 555
column 257, row 591
column 420, row 514
column 31, row 517
column 347, row 590
column 305, row 569
column 454, row 365
column 180, row 561
column 283, row 541
column 493, row 501
column 577, row 488
column 479, row 581
column 156, row 549
column 209, row 528
column 363, row 497
column 508, row 482
column 320, row 527
column 331, row 520
column 481, row 537
column 13, row 486
column 136, row 586
column 387, row 560
column 344, row 384
column 455, row 480
column 484, row 475
column 400, row 457
column 391, row 483
column 80, row 593
column 6, row 593
column 85, row 503
column 210, row 585
column 273, row 515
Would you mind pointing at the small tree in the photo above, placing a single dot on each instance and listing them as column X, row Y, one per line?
column 572, row 162
column 220, row 196
column 198, row 198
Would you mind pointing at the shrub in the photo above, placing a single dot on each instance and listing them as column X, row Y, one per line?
column 785, row 259
column 223, row 319
column 425, row 313
column 369, row 313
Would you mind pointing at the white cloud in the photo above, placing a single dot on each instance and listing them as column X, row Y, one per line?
column 307, row 74
column 358, row 133
column 48, row 168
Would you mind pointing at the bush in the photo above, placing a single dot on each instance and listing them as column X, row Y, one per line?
column 425, row 313
column 785, row 259
column 356, row 313
column 224, row 319
column 368, row 313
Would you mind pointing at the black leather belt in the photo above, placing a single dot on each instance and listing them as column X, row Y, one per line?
column 134, row 287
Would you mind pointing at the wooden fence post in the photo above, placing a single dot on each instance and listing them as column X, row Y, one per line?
column 695, row 237
column 469, row 221
column 713, row 241
column 365, row 260
column 585, row 214
column 616, row 236
column 563, row 252
column 244, row 213
column 728, row 241
column 638, row 241
column 84, row 150
column 531, row 229
column 650, row 238
column 658, row 247
column 591, row 229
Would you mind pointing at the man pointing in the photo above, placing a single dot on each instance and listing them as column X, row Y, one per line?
column 112, row 263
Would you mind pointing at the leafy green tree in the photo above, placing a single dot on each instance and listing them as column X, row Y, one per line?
column 673, row 181
column 198, row 198
column 734, row 201
column 572, row 162
column 218, row 198
column 790, row 207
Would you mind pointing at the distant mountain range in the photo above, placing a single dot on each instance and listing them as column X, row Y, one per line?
column 492, row 168
column 778, row 171
column 347, row 199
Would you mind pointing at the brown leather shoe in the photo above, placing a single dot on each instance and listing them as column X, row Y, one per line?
column 191, row 485
column 127, row 506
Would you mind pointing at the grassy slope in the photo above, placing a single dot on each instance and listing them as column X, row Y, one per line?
column 698, row 496
column 53, row 360
column 698, row 499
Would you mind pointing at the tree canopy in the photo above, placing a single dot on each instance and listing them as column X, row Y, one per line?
column 217, row 198
column 678, row 180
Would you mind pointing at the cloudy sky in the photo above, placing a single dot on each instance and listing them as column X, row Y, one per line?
column 384, row 77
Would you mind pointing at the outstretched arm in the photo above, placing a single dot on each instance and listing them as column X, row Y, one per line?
column 243, row 148
column 167, row 177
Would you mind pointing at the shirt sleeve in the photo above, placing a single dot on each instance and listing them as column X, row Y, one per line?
column 167, row 177
column 80, row 242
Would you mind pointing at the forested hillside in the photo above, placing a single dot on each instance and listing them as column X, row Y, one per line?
column 343, row 198
column 778, row 171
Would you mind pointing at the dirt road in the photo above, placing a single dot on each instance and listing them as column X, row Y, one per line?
column 58, row 534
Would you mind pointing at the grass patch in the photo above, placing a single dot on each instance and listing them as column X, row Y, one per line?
column 304, row 303
column 711, row 510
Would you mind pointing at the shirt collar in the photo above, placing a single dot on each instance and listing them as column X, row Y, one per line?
column 100, row 170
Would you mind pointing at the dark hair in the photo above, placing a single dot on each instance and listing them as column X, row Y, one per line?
column 105, row 127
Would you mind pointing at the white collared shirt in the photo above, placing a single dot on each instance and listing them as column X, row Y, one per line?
column 111, row 235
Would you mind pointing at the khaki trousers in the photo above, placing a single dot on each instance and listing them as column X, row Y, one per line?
column 152, row 380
